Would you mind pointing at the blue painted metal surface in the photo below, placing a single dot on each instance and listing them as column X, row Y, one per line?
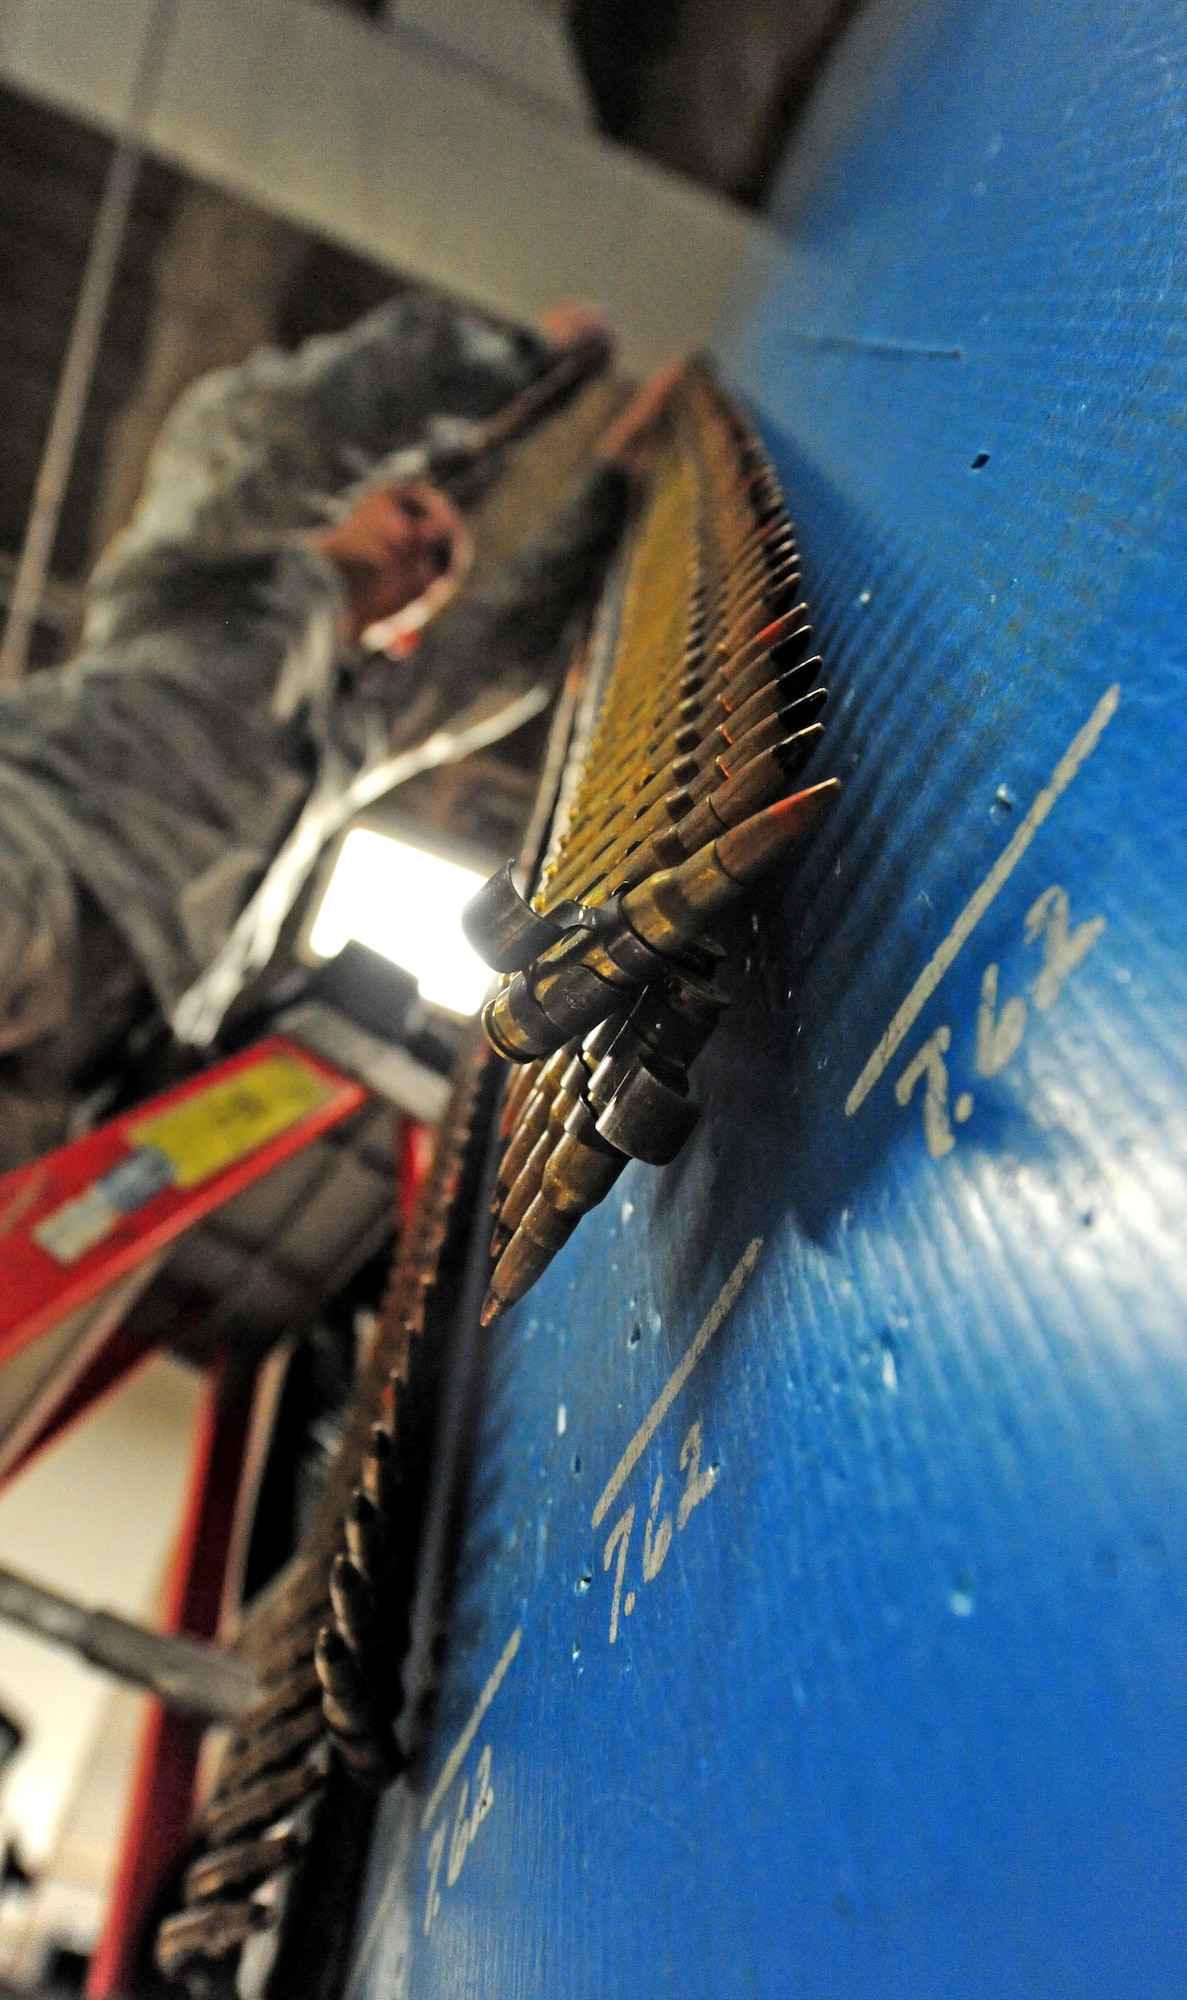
column 901, row 1710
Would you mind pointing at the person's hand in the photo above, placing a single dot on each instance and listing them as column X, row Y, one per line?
column 400, row 552
column 573, row 323
column 630, row 439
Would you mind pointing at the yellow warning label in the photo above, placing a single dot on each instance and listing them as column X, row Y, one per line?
column 218, row 1126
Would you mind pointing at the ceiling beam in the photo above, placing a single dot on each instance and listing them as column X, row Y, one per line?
column 377, row 138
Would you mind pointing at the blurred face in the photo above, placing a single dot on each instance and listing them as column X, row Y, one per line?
column 394, row 546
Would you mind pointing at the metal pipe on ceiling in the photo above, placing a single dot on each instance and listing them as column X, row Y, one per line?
column 81, row 358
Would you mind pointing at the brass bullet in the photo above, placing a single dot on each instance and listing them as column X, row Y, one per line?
column 671, row 909
column 212, row 1931
column 580, row 981
column 366, row 1538
column 694, row 775
column 777, row 697
column 520, row 1083
column 371, row 1762
column 768, row 594
column 684, row 734
column 338, row 1672
column 765, row 641
column 526, row 1185
column 530, row 1127
column 792, row 652
column 760, row 780
column 583, row 1169
column 354, row 1606
column 734, row 757
column 245, row 1862
column 529, row 1253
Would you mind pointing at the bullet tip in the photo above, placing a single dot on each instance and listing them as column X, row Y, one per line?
column 491, row 1307
column 803, row 808
column 748, row 850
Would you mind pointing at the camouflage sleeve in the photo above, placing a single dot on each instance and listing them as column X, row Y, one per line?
column 38, row 925
column 508, row 633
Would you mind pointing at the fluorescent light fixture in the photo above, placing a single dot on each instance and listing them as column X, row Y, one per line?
column 407, row 905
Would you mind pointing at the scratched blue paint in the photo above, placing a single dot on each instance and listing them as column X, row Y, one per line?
column 903, row 1712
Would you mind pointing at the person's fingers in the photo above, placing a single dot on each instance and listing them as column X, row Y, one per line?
column 576, row 323
column 628, row 434
column 400, row 545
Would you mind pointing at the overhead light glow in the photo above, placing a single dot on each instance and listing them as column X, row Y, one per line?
column 407, row 905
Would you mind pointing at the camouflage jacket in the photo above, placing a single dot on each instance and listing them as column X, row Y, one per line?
column 165, row 765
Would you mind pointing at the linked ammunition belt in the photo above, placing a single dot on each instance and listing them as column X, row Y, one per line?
column 328, row 1639
column 699, row 714
column 707, row 713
